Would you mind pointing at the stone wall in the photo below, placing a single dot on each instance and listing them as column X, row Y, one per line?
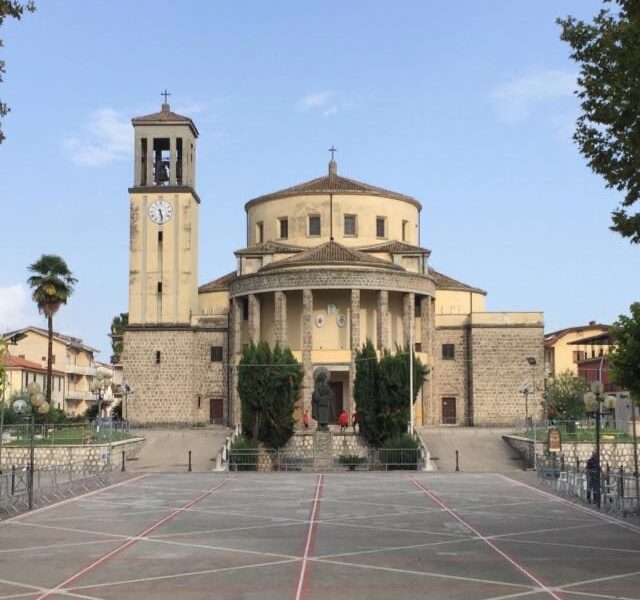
column 76, row 458
column 615, row 455
column 301, row 444
column 499, row 368
column 449, row 375
column 176, row 389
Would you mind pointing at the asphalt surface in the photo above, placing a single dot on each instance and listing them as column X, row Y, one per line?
column 362, row 536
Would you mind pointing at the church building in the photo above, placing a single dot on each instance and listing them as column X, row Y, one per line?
column 326, row 265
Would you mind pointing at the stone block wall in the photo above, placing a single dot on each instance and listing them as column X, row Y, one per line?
column 168, row 391
column 449, row 375
column 499, row 369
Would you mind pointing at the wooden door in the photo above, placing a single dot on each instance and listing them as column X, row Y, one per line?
column 336, row 409
column 216, row 410
column 449, row 411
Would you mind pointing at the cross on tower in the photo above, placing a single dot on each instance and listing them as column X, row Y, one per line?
column 333, row 151
column 165, row 94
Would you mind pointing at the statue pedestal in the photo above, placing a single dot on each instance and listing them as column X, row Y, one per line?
column 322, row 451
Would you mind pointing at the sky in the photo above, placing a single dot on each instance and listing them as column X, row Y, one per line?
column 468, row 106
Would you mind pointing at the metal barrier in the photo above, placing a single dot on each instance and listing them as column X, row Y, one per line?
column 65, row 433
column 618, row 488
column 376, row 459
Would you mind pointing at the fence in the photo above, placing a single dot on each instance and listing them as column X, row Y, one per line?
column 49, row 484
column 376, row 459
column 618, row 490
column 582, row 430
column 65, row 433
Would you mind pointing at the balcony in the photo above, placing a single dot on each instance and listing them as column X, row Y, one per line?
column 80, row 370
column 76, row 395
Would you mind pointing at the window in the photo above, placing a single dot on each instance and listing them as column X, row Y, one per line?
column 216, row 353
column 448, row 351
column 417, row 347
column 284, row 228
column 259, row 232
column 417, row 309
column 157, row 357
column 579, row 355
column 405, row 227
column 245, row 309
column 159, row 287
column 314, row 225
column 350, row 225
column 159, row 237
column 381, row 227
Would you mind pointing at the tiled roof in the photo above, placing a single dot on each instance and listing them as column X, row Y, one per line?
column 165, row 117
column 269, row 248
column 444, row 282
column 333, row 183
column 332, row 253
column 67, row 339
column 16, row 362
column 222, row 283
column 395, row 247
column 553, row 336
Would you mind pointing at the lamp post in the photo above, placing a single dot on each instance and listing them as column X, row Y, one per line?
column 592, row 400
column 126, row 390
column 99, row 386
column 37, row 403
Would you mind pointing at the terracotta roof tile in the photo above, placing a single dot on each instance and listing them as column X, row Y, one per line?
column 395, row 247
column 16, row 362
column 333, row 183
column 222, row 283
column 444, row 282
column 269, row 247
column 332, row 253
column 166, row 117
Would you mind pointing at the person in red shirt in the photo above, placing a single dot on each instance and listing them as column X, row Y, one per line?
column 343, row 420
column 305, row 419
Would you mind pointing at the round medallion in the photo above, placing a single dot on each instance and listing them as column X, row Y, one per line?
column 331, row 309
column 319, row 320
column 342, row 320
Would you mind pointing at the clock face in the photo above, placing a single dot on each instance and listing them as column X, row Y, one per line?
column 160, row 211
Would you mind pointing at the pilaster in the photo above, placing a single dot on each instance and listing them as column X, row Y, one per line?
column 254, row 318
column 382, row 320
column 408, row 317
column 307, row 345
column 280, row 303
column 355, row 343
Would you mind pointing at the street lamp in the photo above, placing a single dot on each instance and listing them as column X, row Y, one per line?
column 99, row 386
column 592, row 400
column 37, row 403
column 126, row 390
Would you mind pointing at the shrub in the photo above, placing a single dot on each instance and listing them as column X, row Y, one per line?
column 400, row 452
column 244, row 454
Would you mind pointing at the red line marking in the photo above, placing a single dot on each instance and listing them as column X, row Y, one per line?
column 310, row 539
column 484, row 539
column 132, row 541
column 69, row 500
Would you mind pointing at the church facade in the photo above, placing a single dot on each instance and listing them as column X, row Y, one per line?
column 327, row 264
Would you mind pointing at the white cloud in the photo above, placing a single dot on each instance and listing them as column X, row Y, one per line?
column 326, row 102
column 107, row 136
column 516, row 99
column 17, row 309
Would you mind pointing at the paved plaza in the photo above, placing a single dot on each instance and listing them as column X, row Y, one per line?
column 362, row 536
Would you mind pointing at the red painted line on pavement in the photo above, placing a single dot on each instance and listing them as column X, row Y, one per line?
column 578, row 507
column 69, row 500
column 310, row 539
column 133, row 540
column 487, row 541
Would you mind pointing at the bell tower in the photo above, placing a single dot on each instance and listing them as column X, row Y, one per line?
column 163, row 249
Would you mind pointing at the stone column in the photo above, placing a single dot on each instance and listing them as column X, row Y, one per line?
column 236, row 351
column 355, row 344
column 382, row 320
column 307, row 345
column 280, row 303
column 408, row 317
column 254, row 318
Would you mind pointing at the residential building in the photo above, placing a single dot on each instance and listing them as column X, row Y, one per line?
column 21, row 372
column 560, row 352
column 71, row 356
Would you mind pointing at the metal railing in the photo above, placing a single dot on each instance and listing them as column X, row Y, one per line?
column 104, row 431
column 375, row 459
column 617, row 492
column 582, row 430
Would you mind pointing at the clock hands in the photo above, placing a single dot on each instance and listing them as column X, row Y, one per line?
column 160, row 213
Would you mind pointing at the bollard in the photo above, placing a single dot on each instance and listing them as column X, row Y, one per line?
column 189, row 461
column 122, row 469
column 457, row 462
column 13, row 479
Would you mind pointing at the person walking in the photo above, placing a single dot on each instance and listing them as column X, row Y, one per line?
column 343, row 421
column 593, row 487
column 305, row 419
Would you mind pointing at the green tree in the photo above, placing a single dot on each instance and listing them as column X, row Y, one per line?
column 565, row 396
column 15, row 10
column 52, row 284
column 381, row 392
column 118, row 324
column 268, row 384
column 625, row 358
column 608, row 130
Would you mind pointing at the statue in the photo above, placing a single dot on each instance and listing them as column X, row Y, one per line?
column 321, row 399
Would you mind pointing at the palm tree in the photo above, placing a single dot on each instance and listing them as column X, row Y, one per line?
column 52, row 284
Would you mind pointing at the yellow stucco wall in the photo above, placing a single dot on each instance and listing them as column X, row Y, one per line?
column 458, row 302
column 366, row 208
column 174, row 261
column 560, row 358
